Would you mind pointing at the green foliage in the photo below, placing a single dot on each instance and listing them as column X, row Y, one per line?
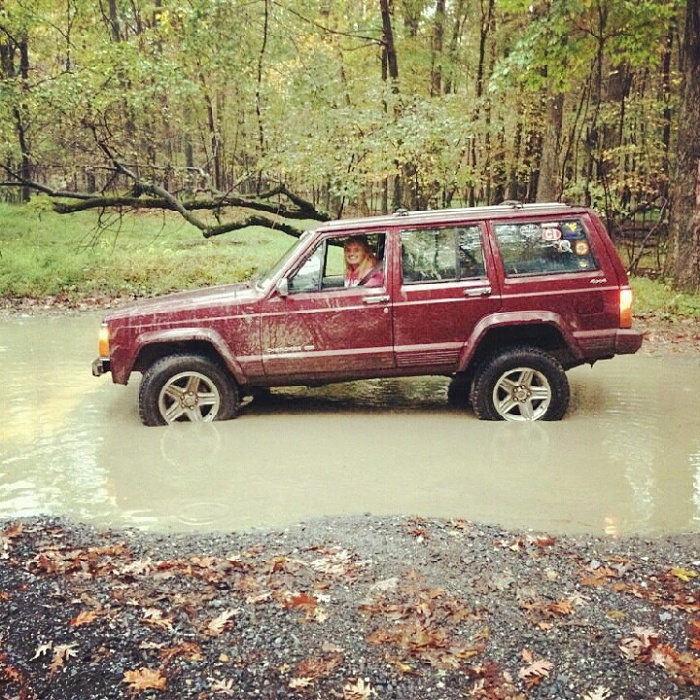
column 45, row 254
column 253, row 93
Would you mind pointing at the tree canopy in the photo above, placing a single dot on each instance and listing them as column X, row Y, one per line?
column 234, row 112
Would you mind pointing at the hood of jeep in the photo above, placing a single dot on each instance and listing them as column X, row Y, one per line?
column 199, row 303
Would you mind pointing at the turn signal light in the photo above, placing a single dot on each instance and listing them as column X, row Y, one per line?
column 625, row 307
column 103, row 341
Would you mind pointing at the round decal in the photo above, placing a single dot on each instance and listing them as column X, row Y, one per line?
column 582, row 248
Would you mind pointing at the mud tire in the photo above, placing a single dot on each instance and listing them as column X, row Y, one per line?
column 459, row 390
column 206, row 390
column 529, row 370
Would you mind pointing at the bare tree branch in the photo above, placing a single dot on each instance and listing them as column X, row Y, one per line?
column 146, row 194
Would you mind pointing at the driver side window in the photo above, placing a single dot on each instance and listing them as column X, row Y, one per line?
column 326, row 268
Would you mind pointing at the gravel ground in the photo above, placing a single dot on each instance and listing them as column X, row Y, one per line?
column 356, row 608
column 346, row 608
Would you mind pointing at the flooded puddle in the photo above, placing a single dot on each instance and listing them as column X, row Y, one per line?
column 625, row 460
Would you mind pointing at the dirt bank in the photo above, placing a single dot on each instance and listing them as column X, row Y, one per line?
column 346, row 608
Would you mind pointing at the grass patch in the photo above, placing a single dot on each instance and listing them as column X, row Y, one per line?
column 653, row 296
column 80, row 255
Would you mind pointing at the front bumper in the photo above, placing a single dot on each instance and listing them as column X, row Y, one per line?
column 100, row 366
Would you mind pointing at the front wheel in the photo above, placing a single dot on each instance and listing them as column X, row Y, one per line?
column 186, row 388
column 520, row 384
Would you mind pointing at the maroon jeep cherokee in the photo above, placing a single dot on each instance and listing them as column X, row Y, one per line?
column 502, row 299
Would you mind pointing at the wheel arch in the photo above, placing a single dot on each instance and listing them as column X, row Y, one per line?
column 545, row 332
column 154, row 346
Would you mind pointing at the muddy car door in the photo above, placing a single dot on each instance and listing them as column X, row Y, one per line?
column 444, row 290
column 315, row 328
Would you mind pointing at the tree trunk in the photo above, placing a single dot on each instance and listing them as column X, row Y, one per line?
column 390, row 73
column 389, row 47
column 683, row 261
column 20, row 112
column 549, row 184
column 454, row 46
column 436, row 54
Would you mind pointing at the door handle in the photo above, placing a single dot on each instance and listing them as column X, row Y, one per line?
column 478, row 291
column 377, row 299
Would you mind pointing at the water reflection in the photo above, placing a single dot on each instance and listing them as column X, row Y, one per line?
column 627, row 458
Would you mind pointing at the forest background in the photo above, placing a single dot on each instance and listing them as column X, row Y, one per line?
column 236, row 113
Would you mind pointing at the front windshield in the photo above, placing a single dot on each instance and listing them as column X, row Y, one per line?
column 266, row 279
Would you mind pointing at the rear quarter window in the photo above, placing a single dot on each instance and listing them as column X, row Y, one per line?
column 544, row 247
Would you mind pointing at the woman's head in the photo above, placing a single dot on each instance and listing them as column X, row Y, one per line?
column 357, row 250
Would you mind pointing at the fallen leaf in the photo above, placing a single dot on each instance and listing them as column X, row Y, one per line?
column 303, row 601
column 318, row 667
column 225, row 687
column 221, row 622
column 6, row 539
column 537, row 669
column 297, row 683
column 145, row 679
column 359, row 690
column 600, row 693
column 42, row 650
column 190, row 651
column 61, row 654
column 155, row 617
column 84, row 618
column 683, row 574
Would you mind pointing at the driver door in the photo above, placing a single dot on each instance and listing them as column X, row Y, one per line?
column 322, row 331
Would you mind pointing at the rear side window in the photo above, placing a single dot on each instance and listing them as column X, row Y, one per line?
column 545, row 247
column 442, row 254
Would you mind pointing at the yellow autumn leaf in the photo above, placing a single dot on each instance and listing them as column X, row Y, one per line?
column 683, row 574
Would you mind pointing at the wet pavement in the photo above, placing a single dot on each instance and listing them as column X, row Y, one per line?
column 625, row 460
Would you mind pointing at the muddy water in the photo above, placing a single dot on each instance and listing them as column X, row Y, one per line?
column 626, row 460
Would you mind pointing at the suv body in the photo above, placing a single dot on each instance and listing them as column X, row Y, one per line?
column 504, row 299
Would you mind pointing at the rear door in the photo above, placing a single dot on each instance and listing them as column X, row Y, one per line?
column 445, row 287
column 323, row 330
column 556, row 266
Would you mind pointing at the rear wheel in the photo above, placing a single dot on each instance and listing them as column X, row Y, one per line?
column 186, row 388
column 520, row 384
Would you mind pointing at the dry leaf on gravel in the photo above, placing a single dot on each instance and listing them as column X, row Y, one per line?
column 600, row 693
column 358, row 690
column 61, row 654
column 221, row 622
column 145, row 679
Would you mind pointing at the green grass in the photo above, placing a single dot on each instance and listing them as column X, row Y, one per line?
column 653, row 296
column 46, row 254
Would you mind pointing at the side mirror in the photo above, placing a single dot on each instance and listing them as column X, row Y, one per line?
column 283, row 287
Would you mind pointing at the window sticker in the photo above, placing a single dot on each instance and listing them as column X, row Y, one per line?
column 582, row 248
column 572, row 230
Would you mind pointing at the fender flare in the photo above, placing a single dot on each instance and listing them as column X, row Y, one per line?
column 513, row 320
column 184, row 335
